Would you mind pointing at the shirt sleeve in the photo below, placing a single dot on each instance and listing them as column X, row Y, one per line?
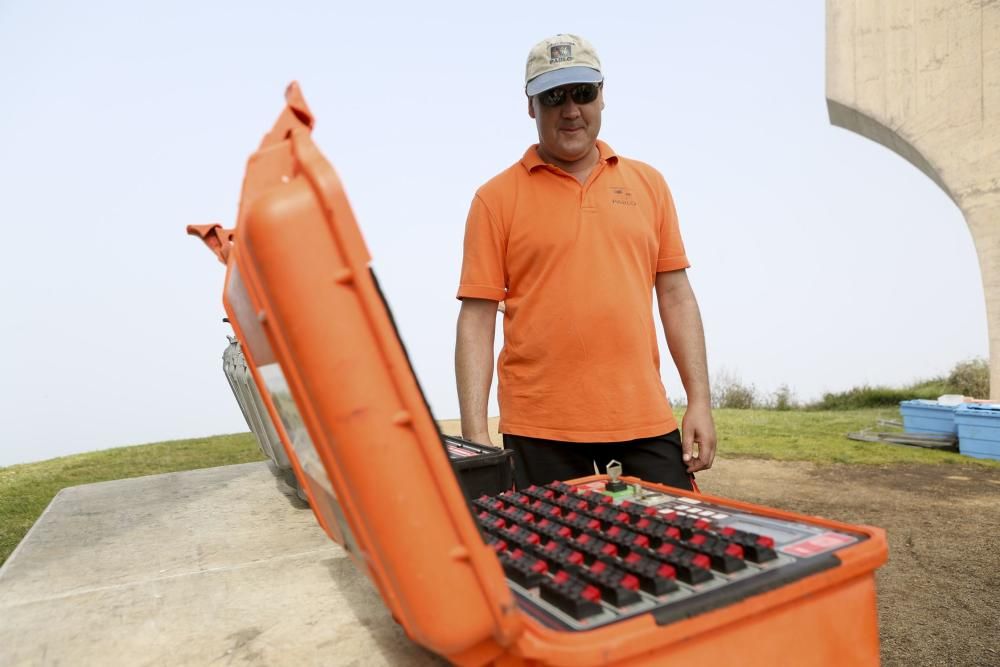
column 671, row 256
column 483, row 274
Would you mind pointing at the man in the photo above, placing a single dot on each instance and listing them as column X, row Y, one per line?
column 574, row 239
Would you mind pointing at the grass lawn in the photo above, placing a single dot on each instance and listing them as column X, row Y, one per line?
column 815, row 436
column 819, row 437
column 26, row 490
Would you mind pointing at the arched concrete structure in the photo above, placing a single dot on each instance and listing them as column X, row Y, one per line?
column 922, row 77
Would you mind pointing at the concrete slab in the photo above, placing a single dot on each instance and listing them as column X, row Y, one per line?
column 222, row 565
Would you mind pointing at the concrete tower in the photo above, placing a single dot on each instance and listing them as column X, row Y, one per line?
column 922, row 77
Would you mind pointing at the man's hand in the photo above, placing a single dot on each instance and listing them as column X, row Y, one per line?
column 686, row 340
column 697, row 427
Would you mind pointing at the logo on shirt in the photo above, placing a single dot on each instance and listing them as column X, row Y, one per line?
column 622, row 197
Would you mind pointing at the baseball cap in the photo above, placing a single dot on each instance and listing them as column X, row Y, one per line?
column 560, row 60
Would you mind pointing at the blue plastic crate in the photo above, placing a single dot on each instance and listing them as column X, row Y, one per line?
column 979, row 430
column 923, row 416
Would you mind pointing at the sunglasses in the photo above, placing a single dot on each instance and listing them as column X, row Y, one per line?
column 583, row 93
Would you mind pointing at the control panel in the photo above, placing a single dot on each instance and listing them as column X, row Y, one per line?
column 579, row 556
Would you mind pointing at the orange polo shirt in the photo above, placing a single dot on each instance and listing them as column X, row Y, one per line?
column 576, row 266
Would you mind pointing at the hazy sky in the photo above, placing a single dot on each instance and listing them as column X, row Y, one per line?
column 820, row 259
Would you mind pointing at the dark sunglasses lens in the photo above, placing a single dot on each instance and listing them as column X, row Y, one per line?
column 584, row 94
column 552, row 98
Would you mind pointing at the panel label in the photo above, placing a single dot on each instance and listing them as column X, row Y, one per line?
column 818, row 544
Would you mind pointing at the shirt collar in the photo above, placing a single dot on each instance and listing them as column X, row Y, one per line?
column 531, row 159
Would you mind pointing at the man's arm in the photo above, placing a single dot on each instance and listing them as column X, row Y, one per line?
column 474, row 365
column 686, row 340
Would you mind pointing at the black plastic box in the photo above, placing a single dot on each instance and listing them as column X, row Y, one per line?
column 480, row 469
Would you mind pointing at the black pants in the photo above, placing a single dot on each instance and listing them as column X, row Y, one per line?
column 658, row 459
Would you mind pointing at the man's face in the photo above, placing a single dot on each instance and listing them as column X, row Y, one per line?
column 569, row 131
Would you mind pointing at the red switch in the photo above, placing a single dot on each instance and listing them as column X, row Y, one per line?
column 591, row 593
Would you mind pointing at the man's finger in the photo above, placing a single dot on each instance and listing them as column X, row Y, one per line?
column 687, row 444
column 697, row 461
column 706, row 454
column 695, row 464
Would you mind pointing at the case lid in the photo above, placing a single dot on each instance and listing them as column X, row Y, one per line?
column 318, row 329
column 988, row 410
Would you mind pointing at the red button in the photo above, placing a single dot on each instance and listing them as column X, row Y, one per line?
column 735, row 550
column 598, row 567
column 540, row 566
column 701, row 560
column 702, row 523
column 591, row 593
column 561, row 576
column 575, row 558
column 728, row 531
column 765, row 541
column 665, row 548
column 698, row 539
column 667, row 572
column 643, row 523
column 610, row 550
column 630, row 581
column 564, row 532
column 641, row 541
column 633, row 558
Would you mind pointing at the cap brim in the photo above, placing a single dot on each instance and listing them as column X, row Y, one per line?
column 562, row 77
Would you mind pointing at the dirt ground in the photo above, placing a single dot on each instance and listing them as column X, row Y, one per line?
column 939, row 594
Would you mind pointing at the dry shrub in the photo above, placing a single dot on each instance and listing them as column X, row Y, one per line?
column 728, row 391
column 971, row 378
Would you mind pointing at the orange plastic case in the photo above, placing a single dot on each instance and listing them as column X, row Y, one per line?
column 362, row 440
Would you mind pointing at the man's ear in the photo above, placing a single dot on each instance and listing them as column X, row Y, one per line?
column 531, row 107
